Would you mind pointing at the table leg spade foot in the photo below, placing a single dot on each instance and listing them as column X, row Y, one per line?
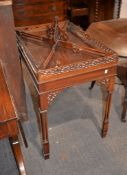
column 105, row 129
column 46, row 156
column 46, row 150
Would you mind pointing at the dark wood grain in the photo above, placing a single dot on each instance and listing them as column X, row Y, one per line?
column 38, row 11
column 113, row 34
column 68, row 66
column 42, row 11
column 12, row 94
column 9, row 56
column 7, row 113
column 9, row 121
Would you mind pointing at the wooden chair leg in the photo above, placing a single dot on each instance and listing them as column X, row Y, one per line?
column 14, row 141
column 92, row 85
column 106, row 115
column 123, row 117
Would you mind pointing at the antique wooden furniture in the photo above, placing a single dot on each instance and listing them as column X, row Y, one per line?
column 101, row 10
column 61, row 56
column 78, row 11
column 28, row 12
column 79, row 8
column 10, row 58
column 95, row 10
column 9, row 122
column 113, row 33
column 42, row 11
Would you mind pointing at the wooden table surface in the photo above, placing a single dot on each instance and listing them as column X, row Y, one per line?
column 113, row 33
column 8, row 120
column 7, row 113
column 10, row 58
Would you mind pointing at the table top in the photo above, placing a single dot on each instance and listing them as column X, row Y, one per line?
column 113, row 33
column 75, row 50
column 7, row 112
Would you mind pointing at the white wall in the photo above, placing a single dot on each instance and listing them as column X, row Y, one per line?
column 123, row 13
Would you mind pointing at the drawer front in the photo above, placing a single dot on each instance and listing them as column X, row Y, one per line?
column 39, row 20
column 39, row 12
column 77, row 77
